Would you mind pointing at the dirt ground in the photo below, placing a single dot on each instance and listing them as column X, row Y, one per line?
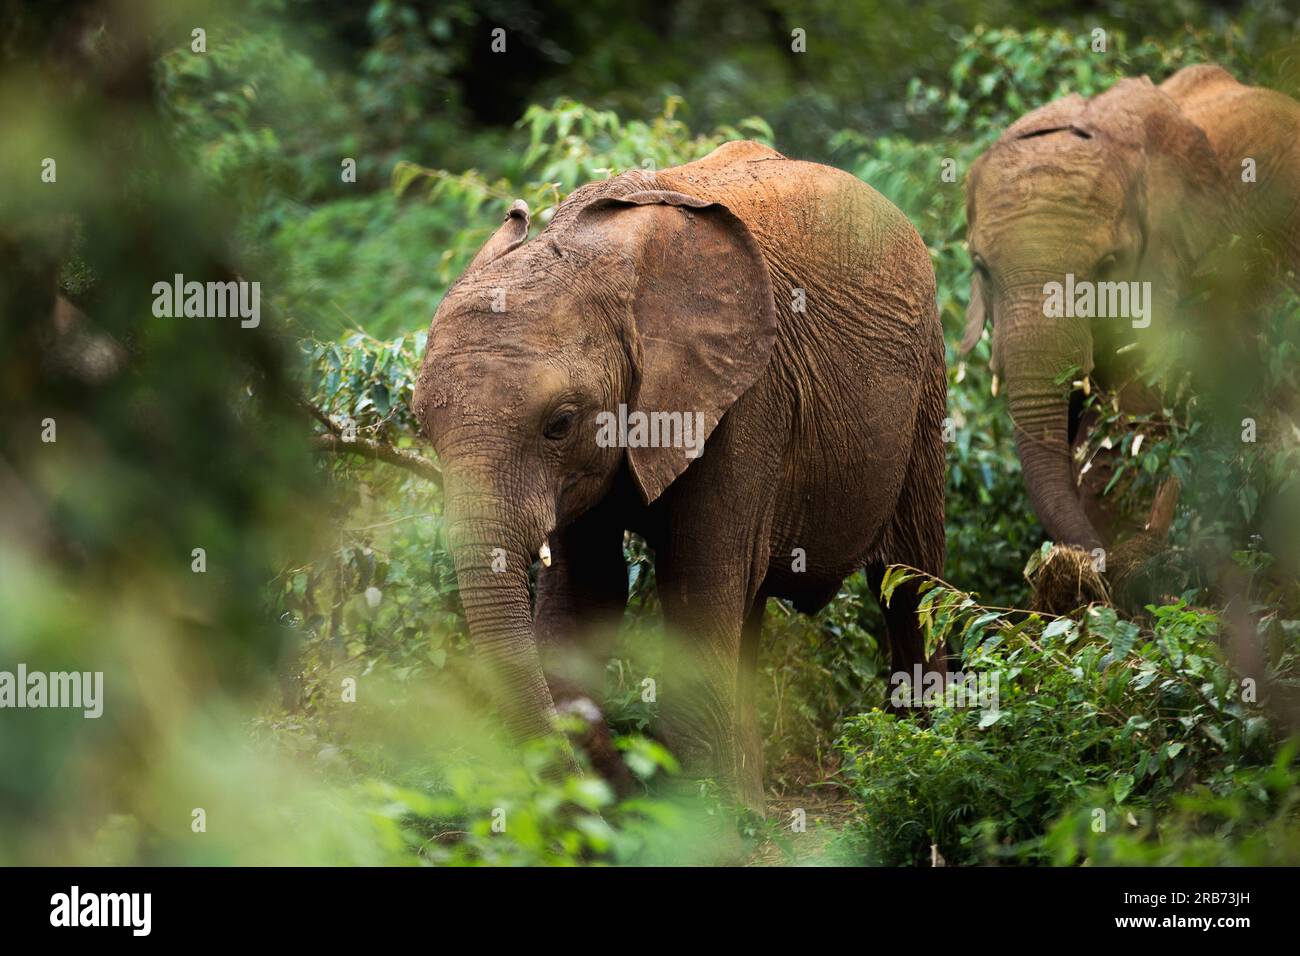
column 827, row 808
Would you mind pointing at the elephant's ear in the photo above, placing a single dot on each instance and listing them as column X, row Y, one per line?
column 702, row 319
column 1180, row 186
column 509, row 235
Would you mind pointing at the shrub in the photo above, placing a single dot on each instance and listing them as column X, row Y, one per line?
column 1095, row 714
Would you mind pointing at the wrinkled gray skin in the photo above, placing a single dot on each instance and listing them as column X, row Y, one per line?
column 1140, row 183
column 675, row 291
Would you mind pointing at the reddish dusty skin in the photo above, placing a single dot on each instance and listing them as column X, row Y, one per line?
column 787, row 303
column 1141, row 183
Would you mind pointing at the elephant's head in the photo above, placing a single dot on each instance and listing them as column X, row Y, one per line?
column 638, row 297
column 1120, row 188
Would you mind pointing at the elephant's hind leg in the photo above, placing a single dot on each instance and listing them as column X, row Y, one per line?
column 905, row 633
column 915, row 536
column 704, row 617
column 750, row 770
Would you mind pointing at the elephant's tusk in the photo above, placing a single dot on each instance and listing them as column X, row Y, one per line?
column 994, row 387
column 544, row 552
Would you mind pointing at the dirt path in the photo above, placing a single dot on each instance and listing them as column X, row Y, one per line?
column 826, row 809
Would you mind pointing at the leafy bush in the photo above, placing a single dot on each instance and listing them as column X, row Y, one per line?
column 515, row 815
column 1000, row 74
column 1245, row 818
column 1142, row 720
column 1096, row 715
column 264, row 122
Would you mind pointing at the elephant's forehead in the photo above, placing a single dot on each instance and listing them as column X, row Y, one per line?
column 1046, row 220
column 1076, row 205
column 489, row 384
column 518, row 314
column 1076, row 173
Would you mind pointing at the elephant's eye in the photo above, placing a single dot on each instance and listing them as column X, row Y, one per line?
column 1106, row 266
column 560, row 424
column 981, row 266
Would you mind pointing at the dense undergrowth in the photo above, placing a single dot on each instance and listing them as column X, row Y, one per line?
column 1115, row 740
column 1118, row 737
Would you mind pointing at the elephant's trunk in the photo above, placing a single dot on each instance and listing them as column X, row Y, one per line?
column 492, row 566
column 1040, row 409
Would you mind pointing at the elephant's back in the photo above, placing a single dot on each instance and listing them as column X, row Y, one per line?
column 1233, row 115
column 824, row 233
column 1249, row 125
column 789, row 201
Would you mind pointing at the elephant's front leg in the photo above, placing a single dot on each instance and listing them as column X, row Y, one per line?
column 751, row 738
column 580, row 603
column 703, row 689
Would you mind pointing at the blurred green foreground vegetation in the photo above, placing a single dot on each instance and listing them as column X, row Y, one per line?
column 310, row 697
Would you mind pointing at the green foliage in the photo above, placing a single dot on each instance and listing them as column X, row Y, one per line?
column 1141, row 719
column 1094, row 713
column 195, row 450
column 1246, row 818
column 405, row 91
column 997, row 75
column 983, row 793
column 816, row 671
column 515, row 816
column 371, row 263
column 263, row 120
column 369, row 381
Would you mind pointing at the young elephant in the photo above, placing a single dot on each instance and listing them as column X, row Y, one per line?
column 782, row 310
column 1142, row 184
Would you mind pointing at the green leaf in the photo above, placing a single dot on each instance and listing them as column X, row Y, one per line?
column 1122, row 786
column 404, row 174
column 1062, row 625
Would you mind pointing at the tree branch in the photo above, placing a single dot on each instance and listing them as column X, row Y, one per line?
column 369, row 448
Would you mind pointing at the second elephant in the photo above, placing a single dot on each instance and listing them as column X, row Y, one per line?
column 1141, row 188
